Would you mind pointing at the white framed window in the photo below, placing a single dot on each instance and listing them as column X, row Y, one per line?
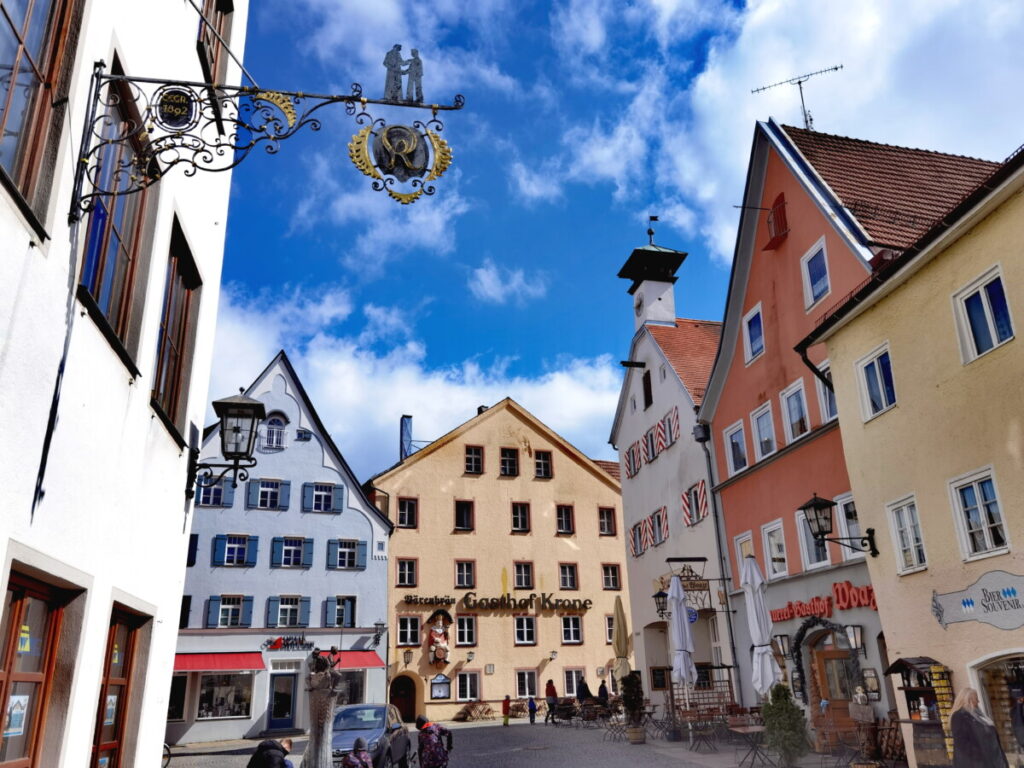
column 814, row 274
column 763, row 427
column 323, row 497
column 876, row 382
column 523, row 574
column 606, row 521
column 636, row 534
column 979, row 519
column 408, row 630
column 567, row 576
column 224, row 695
column 234, row 550
column 572, row 630
column 657, row 521
column 230, row 611
column 520, row 517
column 564, row 519
column 406, row 573
column 542, row 464
column 572, row 677
column 273, row 435
column 744, row 544
column 526, row 683
column 982, row 315
column 814, row 552
column 906, row 534
column 753, row 334
column 288, row 612
column 347, row 553
column 609, row 629
column 651, row 443
column 270, row 494
column 735, row 447
column 774, row 542
column 345, row 614
column 849, row 524
column 610, row 576
column 467, row 686
column 826, row 397
column 291, row 552
column 211, row 495
column 408, row 513
column 525, row 630
column 794, row 411
column 465, row 630
column 465, row 574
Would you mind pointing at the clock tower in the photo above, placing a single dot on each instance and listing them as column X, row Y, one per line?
column 653, row 272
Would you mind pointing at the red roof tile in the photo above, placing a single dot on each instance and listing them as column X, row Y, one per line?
column 611, row 467
column 895, row 193
column 690, row 347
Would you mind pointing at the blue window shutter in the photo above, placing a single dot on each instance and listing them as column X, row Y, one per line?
column 307, row 497
column 246, row 611
column 332, row 553
column 252, row 494
column 276, row 552
column 273, row 608
column 338, row 498
column 252, row 546
column 303, row 611
column 331, row 612
column 193, row 548
column 360, row 554
column 286, row 493
column 213, row 611
column 307, row 553
column 220, row 545
column 350, row 611
column 227, row 496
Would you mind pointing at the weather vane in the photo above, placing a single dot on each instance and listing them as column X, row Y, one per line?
column 137, row 129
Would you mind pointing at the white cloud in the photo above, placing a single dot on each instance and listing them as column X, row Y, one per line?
column 544, row 184
column 361, row 392
column 500, row 285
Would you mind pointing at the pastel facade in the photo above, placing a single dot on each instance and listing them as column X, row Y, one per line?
column 92, row 567
column 294, row 558
column 509, row 532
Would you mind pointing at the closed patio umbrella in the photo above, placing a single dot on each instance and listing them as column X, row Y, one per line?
column 620, row 641
column 766, row 671
column 684, row 671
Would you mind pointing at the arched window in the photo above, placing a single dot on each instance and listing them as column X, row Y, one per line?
column 273, row 438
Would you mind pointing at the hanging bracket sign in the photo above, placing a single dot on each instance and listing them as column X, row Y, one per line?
column 995, row 598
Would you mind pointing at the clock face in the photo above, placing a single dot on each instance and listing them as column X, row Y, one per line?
column 638, row 305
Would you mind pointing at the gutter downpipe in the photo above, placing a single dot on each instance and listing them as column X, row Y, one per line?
column 721, row 557
column 801, row 349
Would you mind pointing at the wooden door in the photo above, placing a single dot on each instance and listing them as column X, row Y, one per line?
column 836, row 681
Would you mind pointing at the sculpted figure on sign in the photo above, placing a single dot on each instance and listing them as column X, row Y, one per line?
column 437, row 637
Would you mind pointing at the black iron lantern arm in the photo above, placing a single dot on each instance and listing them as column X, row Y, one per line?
column 201, row 126
column 240, row 417
column 818, row 516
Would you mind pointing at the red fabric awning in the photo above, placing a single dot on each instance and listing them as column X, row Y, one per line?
column 217, row 662
column 357, row 660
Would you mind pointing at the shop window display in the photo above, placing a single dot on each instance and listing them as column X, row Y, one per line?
column 224, row 696
column 1003, row 691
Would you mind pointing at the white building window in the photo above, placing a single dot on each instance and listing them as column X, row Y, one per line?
column 465, row 574
column 983, row 315
column 467, row 686
column 347, row 553
column 735, row 448
column 609, row 629
column 849, row 524
column 826, row 397
column 906, row 531
column 775, row 550
column 465, row 630
column 222, row 696
column 520, row 517
column 323, row 495
column 345, row 615
column 230, row 611
column 814, row 274
column 211, row 495
column 526, row 630
column 744, row 544
column 573, row 677
column 408, row 510
column 657, row 526
column 406, row 573
column 273, row 436
column 610, row 576
column 523, row 575
column 877, row 386
column 979, row 519
column 288, row 612
column 526, row 683
column 764, row 431
column 291, row 552
column 753, row 334
column 567, row 576
column 234, row 551
column 636, row 534
column 794, row 411
column 564, row 519
column 408, row 630
column 572, row 630
column 814, row 552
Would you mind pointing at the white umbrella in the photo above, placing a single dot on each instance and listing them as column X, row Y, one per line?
column 683, row 669
column 766, row 671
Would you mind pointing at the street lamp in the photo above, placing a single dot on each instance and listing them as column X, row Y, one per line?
column 855, row 634
column 782, row 641
column 239, row 418
column 553, row 655
column 818, row 513
column 470, row 656
column 378, row 631
column 407, row 657
column 661, row 604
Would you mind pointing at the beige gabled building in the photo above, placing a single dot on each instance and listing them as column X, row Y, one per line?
column 927, row 375
column 511, row 540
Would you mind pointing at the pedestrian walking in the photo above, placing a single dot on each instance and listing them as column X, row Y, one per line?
column 583, row 693
column 271, row 754
column 975, row 740
column 602, row 693
column 551, row 698
column 506, row 708
column 435, row 742
column 358, row 757
column 531, row 707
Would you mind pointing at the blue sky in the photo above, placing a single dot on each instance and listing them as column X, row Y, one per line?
column 582, row 117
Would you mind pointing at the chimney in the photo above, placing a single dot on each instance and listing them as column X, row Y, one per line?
column 652, row 270
column 404, row 437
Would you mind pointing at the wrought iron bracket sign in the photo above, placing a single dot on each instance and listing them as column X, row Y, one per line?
column 137, row 129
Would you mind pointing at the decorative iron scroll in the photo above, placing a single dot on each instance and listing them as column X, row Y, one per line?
column 138, row 129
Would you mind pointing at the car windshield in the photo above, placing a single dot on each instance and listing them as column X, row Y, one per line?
column 359, row 719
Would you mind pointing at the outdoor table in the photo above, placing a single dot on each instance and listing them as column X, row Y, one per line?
column 753, row 735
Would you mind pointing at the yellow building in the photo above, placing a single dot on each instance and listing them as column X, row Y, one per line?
column 927, row 374
column 506, row 561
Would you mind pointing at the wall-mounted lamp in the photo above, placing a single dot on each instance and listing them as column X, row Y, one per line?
column 378, row 631
column 818, row 513
column 855, row 634
column 407, row 657
column 553, row 655
column 239, row 418
column 471, row 655
column 661, row 603
column 782, row 642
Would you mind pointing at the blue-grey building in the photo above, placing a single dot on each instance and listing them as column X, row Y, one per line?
column 292, row 558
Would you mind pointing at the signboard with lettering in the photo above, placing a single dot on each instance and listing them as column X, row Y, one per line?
column 993, row 599
column 844, row 597
column 177, row 109
column 287, row 643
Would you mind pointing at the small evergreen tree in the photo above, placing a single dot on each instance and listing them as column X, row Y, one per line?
column 633, row 697
column 785, row 727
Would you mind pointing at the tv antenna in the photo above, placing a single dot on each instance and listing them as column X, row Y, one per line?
column 799, row 81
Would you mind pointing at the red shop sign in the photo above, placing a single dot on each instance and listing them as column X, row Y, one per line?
column 844, row 597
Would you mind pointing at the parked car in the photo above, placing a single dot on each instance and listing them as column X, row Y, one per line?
column 387, row 739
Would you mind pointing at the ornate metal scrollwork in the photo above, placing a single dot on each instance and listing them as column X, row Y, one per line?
column 138, row 129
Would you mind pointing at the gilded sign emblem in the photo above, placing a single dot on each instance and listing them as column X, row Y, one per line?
column 412, row 156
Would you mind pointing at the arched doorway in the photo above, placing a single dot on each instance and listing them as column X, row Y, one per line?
column 835, row 677
column 403, row 696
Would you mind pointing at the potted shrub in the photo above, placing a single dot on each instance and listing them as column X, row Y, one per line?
column 785, row 727
column 633, row 704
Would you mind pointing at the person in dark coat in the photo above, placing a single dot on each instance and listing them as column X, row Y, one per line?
column 975, row 741
column 271, row 754
column 602, row 693
column 583, row 691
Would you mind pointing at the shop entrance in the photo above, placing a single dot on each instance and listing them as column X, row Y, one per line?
column 282, row 702
column 1002, row 689
column 835, row 676
column 403, row 697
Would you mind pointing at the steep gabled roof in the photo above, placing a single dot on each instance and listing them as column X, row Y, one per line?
column 611, row 467
column 690, row 347
column 895, row 193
